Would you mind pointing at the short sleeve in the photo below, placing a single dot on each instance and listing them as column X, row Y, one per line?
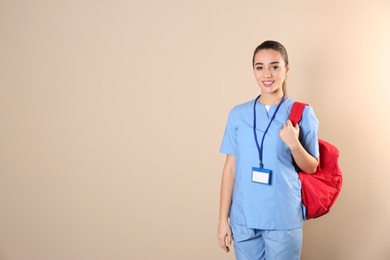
column 229, row 145
column 309, row 132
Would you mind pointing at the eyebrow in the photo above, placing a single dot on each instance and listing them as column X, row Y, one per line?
column 274, row 62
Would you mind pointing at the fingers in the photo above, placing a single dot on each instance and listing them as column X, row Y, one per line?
column 223, row 245
column 289, row 124
column 296, row 126
column 225, row 242
column 229, row 239
column 224, row 236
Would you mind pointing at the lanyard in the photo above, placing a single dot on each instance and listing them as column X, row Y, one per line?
column 260, row 148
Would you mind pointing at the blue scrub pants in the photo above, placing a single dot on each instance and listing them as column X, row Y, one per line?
column 256, row 244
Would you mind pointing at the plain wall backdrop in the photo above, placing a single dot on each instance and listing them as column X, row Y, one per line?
column 112, row 114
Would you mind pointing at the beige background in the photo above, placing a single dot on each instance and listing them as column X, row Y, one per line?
column 112, row 114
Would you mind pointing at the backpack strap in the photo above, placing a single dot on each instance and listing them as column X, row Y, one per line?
column 296, row 112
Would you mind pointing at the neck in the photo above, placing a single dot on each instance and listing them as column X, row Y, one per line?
column 271, row 98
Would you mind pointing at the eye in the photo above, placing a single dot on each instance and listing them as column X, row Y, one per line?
column 275, row 67
column 259, row 68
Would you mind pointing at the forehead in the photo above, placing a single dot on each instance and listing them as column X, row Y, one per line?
column 268, row 56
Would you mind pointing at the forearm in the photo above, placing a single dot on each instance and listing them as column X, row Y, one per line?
column 227, row 188
column 305, row 161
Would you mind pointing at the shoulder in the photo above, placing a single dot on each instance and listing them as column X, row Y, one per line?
column 245, row 106
column 242, row 108
column 288, row 103
column 308, row 109
column 308, row 115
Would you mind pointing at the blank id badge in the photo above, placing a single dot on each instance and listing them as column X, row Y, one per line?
column 261, row 175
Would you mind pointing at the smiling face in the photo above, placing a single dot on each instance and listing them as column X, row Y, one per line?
column 270, row 71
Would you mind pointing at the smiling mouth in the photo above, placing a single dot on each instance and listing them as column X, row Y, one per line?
column 268, row 83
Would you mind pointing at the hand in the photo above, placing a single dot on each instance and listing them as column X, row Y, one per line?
column 224, row 236
column 289, row 134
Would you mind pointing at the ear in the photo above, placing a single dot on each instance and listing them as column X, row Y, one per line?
column 287, row 69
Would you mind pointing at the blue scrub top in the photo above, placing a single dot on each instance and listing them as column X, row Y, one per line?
column 274, row 206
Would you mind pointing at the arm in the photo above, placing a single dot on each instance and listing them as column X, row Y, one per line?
column 224, row 233
column 305, row 161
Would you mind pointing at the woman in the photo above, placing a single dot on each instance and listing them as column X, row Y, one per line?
column 260, row 191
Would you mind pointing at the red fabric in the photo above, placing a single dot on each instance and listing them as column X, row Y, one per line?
column 320, row 189
column 296, row 112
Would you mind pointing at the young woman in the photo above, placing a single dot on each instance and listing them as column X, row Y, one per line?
column 261, row 191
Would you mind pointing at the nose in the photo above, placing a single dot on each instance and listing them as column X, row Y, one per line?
column 267, row 73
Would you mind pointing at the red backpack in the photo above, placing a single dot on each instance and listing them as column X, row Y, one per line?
column 320, row 189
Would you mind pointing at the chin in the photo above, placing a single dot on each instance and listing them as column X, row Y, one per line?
column 268, row 90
